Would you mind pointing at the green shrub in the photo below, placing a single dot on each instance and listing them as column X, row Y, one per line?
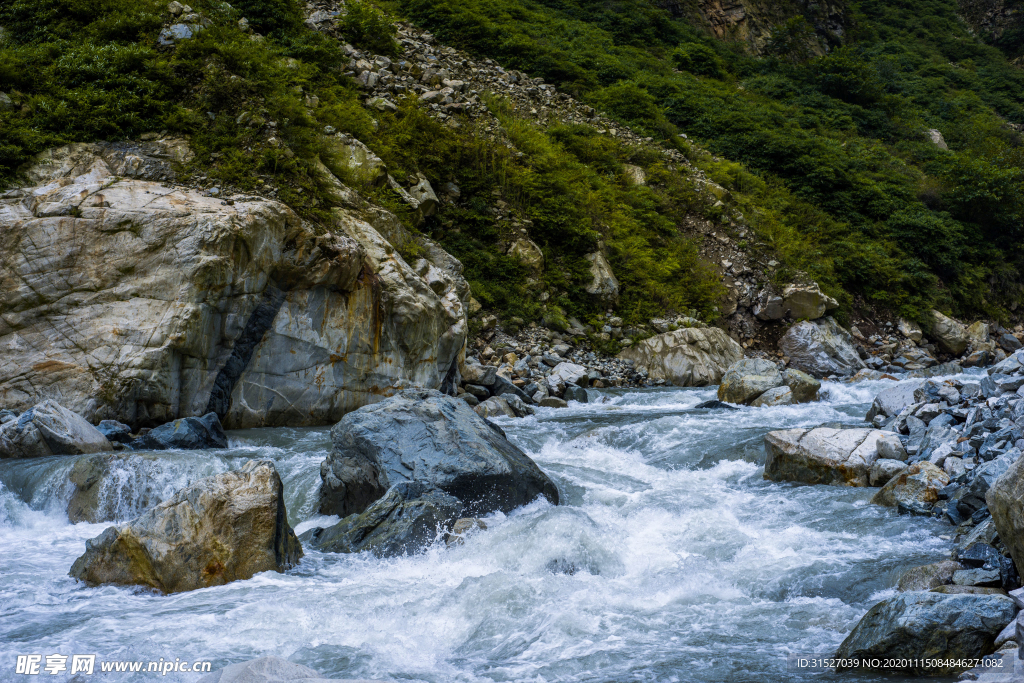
column 367, row 28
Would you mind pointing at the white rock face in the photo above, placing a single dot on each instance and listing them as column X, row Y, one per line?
column 687, row 357
column 127, row 299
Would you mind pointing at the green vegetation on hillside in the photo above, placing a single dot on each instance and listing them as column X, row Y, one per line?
column 81, row 71
column 828, row 156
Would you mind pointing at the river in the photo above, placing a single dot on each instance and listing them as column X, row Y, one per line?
column 670, row 560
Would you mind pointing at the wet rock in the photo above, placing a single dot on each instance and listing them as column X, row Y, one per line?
column 917, row 625
column 49, row 429
column 113, row 486
column 553, row 402
column 985, row 477
column 715, row 405
column 426, row 437
column 494, row 406
column 462, row 528
column 271, row 670
column 188, row 433
column 804, row 387
column 565, row 374
column 823, row 455
column 575, row 393
column 821, row 348
column 687, row 357
column 914, row 490
column 779, row 396
column 883, row 470
column 950, row 335
column 224, row 528
column 1005, row 500
column 929, row 576
column 116, row 432
column 408, row 518
column 747, row 379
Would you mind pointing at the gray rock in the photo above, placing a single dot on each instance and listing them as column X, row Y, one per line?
column 49, row 429
column 482, row 375
column 779, row 396
column 715, row 404
column 495, row 406
column 553, row 402
column 1005, row 500
column 223, row 528
column 424, row 436
column 1009, row 343
column 950, row 334
column 890, row 447
column 823, row 455
column 929, row 576
column 502, row 386
column 271, row 670
column 687, row 357
column 883, row 470
column 481, row 392
column 574, row 393
column 116, row 432
column 820, row 348
column 804, row 387
column 470, row 400
column 914, row 490
column 113, row 486
column 188, row 433
column 517, row 405
column 408, row 518
column 977, row 577
column 919, row 625
column 747, row 379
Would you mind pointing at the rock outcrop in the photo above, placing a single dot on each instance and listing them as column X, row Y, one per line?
column 823, row 455
column 687, row 357
column 431, row 439
column 223, row 528
column 406, row 519
column 49, row 429
column 235, row 307
column 927, row 625
column 821, row 348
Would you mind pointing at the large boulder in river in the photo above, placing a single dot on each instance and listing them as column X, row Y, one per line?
column 823, row 455
column 915, row 490
column 687, row 357
column 426, row 437
column 407, row 518
column 913, row 626
column 223, row 528
column 140, row 301
column 1005, row 499
column 49, row 429
column 820, row 348
column 949, row 334
column 747, row 379
column 188, row 433
column 804, row 387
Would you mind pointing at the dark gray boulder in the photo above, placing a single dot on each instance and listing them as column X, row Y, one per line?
column 575, row 393
column 916, row 625
column 715, row 404
column 408, row 518
column 116, row 432
column 188, row 433
column 424, row 436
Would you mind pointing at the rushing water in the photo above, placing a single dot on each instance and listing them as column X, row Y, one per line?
column 670, row 559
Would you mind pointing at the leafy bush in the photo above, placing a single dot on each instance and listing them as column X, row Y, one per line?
column 367, row 28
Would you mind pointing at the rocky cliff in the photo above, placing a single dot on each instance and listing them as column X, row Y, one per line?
column 753, row 21
column 124, row 297
column 1000, row 22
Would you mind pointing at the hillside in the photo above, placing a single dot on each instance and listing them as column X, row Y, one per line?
column 872, row 147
